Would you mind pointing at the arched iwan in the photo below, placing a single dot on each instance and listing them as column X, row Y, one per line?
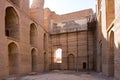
column 11, row 23
column 13, row 58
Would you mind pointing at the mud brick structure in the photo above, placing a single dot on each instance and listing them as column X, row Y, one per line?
column 34, row 39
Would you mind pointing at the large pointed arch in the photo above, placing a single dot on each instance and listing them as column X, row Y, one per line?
column 33, row 34
column 11, row 23
column 13, row 58
column 34, row 59
column 111, row 55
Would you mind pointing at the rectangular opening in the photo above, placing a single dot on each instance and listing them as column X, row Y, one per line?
column 84, row 65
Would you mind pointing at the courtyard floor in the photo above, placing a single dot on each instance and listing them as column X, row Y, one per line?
column 64, row 75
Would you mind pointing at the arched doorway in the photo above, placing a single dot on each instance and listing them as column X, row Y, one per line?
column 11, row 23
column 33, row 34
column 13, row 58
column 34, row 59
column 71, row 62
column 111, row 54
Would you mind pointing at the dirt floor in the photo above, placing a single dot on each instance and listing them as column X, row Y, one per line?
column 63, row 75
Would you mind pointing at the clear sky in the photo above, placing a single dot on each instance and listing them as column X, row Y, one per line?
column 67, row 6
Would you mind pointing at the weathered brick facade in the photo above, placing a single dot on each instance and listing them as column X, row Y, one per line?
column 74, row 34
column 21, row 37
column 31, row 36
column 108, row 32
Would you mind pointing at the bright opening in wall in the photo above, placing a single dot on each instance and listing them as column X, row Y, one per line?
column 30, row 3
column 58, row 56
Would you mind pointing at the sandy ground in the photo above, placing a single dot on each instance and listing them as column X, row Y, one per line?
column 64, row 75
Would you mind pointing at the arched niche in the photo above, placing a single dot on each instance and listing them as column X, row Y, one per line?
column 111, row 55
column 34, row 59
column 13, row 58
column 11, row 23
column 33, row 34
column 71, row 62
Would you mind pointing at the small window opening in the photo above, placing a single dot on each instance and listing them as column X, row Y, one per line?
column 58, row 56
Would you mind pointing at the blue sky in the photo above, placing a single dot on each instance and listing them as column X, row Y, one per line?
column 67, row 6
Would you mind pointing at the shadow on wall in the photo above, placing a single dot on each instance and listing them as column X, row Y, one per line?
column 110, row 60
